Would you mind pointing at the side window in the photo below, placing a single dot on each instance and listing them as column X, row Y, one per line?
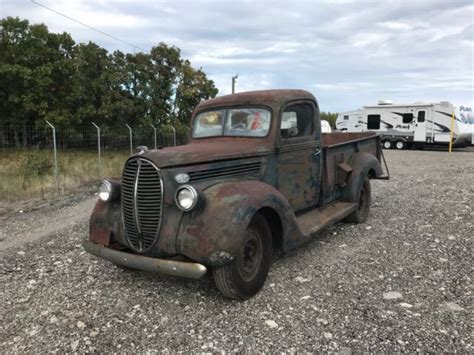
column 407, row 117
column 373, row 121
column 346, row 117
column 299, row 118
column 421, row 116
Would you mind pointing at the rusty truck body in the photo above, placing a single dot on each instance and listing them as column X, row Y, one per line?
column 256, row 176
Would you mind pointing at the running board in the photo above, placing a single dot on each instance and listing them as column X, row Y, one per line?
column 315, row 220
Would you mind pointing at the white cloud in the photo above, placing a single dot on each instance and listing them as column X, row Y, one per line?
column 348, row 53
column 395, row 25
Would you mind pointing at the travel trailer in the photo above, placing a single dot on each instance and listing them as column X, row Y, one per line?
column 409, row 125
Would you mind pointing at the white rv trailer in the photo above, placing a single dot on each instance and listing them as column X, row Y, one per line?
column 405, row 125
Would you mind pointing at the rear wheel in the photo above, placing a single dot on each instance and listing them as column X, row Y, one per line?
column 387, row 144
column 400, row 145
column 246, row 274
column 363, row 204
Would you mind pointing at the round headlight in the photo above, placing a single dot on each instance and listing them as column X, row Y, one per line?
column 186, row 197
column 105, row 190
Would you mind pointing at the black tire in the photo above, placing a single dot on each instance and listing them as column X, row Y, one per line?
column 387, row 145
column 363, row 207
column 246, row 274
column 400, row 145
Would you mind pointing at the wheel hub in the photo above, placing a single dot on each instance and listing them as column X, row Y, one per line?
column 250, row 258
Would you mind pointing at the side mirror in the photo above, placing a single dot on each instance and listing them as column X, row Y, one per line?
column 292, row 132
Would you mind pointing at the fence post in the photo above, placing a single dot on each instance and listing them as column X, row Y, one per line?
column 131, row 138
column 56, row 178
column 154, row 130
column 174, row 135
column 98, row 144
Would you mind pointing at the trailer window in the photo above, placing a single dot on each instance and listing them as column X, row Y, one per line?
column 421, row 116
column 299, row 116
column 407, row 117
column 373, row 121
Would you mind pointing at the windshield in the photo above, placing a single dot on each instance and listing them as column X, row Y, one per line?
column 241, row 122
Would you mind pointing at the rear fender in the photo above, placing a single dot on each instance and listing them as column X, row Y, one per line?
column 363, row 165
column 212, row 234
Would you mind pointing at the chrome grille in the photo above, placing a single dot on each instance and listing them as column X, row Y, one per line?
column 233, row 170
column 142, row 201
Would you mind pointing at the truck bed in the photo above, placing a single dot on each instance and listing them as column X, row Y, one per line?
column 338, row 148
column 336, row 138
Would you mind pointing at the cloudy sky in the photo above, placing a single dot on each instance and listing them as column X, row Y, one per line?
column 347, row 53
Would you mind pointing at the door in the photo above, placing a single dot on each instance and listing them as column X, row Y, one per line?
column 420, row 126
column 299, row 155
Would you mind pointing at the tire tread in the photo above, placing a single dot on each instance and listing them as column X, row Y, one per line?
column 225, row 276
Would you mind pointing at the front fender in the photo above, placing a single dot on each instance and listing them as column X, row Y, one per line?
column 105, row 222
column 212, row 234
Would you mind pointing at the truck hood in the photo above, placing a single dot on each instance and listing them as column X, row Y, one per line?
column 207, row 151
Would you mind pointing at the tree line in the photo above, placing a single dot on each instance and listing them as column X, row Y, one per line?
column 330, row 117
column 48, row 76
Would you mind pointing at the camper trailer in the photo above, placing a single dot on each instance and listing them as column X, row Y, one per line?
column 409, row 125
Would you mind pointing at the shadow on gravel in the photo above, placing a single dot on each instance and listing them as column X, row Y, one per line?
column 171, row 287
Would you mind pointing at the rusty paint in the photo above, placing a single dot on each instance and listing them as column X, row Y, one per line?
column 335, row 138
column 100, row 235
column 297, row 179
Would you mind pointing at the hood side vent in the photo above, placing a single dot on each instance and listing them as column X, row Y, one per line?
column 234, row 170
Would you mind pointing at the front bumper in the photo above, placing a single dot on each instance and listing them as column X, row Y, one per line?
column 140, row 262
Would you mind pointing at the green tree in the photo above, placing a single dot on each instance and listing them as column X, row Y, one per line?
column 192, row 88
column 166, row 62
column 48, row 76
column 34, row 74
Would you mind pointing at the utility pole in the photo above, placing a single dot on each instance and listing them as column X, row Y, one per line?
column 234, row 78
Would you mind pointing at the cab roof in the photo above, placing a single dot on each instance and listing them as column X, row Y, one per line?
column 268, row 97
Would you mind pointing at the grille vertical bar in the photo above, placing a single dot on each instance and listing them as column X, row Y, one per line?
column 142, row 202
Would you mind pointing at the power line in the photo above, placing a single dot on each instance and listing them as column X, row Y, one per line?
column 88, row 26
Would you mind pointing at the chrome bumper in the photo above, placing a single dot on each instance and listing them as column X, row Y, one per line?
column 140, row 262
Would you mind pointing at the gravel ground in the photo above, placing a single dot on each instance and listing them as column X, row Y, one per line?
column 400, row 282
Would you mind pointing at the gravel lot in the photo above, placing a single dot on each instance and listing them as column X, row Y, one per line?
column 400, row 282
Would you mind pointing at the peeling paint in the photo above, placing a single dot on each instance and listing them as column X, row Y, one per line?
column 248, row 175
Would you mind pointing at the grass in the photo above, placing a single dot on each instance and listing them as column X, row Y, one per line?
column 29, row 173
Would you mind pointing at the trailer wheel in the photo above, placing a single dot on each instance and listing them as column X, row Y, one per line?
column 363, row 204
column 400, row 145
column 246, row 274
column 387, row 144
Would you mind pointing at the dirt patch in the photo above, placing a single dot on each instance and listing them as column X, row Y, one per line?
column 44, row 219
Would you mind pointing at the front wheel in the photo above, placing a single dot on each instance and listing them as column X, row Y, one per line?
column 363, row 204
column 246, row 274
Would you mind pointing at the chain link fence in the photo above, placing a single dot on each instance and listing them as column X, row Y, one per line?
column 109, row 137
column 51, row 159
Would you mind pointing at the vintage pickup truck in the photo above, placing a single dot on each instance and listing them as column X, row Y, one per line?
column 257, row 176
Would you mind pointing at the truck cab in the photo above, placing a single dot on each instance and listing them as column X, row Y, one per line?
column 257, row 175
